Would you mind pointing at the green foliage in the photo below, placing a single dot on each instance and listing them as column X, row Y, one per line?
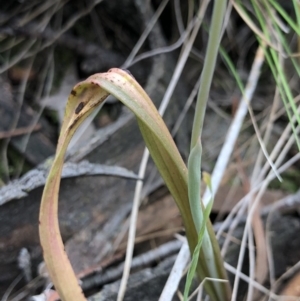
column 195, row 257
column 264, row 12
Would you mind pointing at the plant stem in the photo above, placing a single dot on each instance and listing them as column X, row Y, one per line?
column 208, row 68
column 210, row 248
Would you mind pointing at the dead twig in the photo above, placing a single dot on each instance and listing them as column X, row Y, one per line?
column 20, row 131
column 79, row 45
column 176, row 274
column 138, row 262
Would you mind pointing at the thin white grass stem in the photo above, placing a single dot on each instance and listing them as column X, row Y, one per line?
column 18, row 107
column 25, row 50
column 185, row 108
column 48, row 70
column 240, row 207
column 267, row 135
column 76, row 17
column 249, row 219
column 176, row 273
column 281, row 143
column 268, row 130
column 11, row 287
column 251, row 249
column 287, row 146
column 66, row 27
column 36, row 12
column 283, row 204
column 178, row 70
column 132, row 227
column 10, row 44
column 199, row 289
column 18, row 57
column 162, row 50
column 255, row 284
column 145, row 34
column 178, row 16
column 235, row 126
column 242, row 251
column 239, row 266
column 229, row 220
column 252, row 25
column 183, row 58
column 262, row 145
column 239, row 210
column 255, row 179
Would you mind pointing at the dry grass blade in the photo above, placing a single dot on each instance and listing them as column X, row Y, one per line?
column 83, row 99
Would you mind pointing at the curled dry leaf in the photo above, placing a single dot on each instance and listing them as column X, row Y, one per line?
column 83, row 99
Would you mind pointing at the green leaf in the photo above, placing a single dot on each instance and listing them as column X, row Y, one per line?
column 195, row 258
column 194, row 187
